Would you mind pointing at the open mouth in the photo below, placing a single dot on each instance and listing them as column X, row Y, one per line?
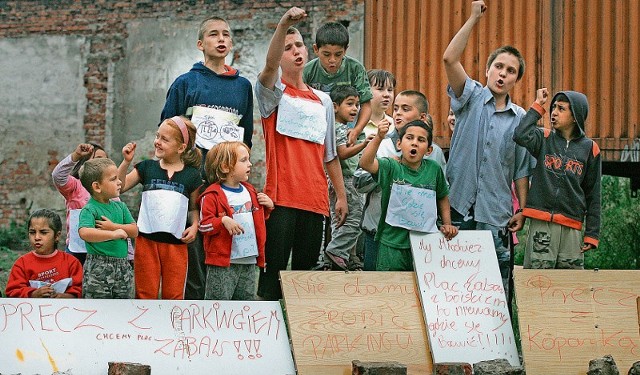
column 413, row 152
column 221, row 48
column 500, row 82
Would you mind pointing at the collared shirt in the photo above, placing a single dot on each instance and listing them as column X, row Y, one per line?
column 484, row 159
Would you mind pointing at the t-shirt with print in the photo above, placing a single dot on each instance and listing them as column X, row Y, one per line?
column 161, row 198
column 244, row 247
column 348, row 165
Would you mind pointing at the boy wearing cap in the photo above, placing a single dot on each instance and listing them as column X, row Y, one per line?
column 565, row 188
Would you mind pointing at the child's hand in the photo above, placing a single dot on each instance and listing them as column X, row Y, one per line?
column 82, row 150
column 586, row 247
column 232, row 226
column 44, row 292
column 369, row 138
column 120, row 234
column 106, row 224
column 383, row 128
column 189, row 234
column 542, row 95
column 449, row 231
column 128, row 151
column 478, row 8
column 293, row 16
column 264, row 200
column 352, row 137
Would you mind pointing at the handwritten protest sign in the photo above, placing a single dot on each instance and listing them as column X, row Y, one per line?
column 302, row 118
column 337, row 317
column 215, row 126
column 463, row 298
column 569, row 317
column 412, row 208
column 173, row 337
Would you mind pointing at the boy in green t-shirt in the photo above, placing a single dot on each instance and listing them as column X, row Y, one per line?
column 105, row 225
column 334, row 68
column 414, row 185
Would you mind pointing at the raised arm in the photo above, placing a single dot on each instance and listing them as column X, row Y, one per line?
column 456, row 75
column 527, row 134
column 133, row 178
column 346, row 152
column 269, row 74
column 63, row 169
column 368, row 160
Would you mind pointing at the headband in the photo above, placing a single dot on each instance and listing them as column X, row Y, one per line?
column 183, row 129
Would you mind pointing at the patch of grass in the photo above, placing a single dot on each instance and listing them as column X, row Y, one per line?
column 13, row 244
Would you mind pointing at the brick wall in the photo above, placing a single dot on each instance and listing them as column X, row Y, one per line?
column 103, row 25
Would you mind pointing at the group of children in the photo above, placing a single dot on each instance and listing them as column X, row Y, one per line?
column 331, row 151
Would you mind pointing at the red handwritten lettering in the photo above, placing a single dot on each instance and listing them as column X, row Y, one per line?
column 133, row 321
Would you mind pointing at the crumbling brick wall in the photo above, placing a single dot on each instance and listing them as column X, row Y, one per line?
column 102, row 24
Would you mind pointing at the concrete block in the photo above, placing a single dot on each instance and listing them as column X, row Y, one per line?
column 451, row 368
column 128, row 368
column 378, row 368
column 603, row 366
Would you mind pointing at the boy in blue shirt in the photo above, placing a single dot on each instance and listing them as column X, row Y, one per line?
column 484, row 161
column 333, row 68
column 410, row 176
column 218, row 100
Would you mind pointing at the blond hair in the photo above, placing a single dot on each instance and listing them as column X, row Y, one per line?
column 221, row 159
column 92, row 171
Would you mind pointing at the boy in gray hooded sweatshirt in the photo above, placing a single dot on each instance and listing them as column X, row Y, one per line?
column 565, row 186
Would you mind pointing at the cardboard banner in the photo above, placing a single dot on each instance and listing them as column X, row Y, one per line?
column 569, row 317
column 337, row 317
column 463, row 297
column 173, row 337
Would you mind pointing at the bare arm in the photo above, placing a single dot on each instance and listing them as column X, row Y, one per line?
column 269, row 74
column 346, row 152
column 456, row 75
column 133, row 178
column 100, row 235
column 363, row 120
column 522, row 189
column 335, row 175
column 444, row 209
column 368, row 160
column 189, row 234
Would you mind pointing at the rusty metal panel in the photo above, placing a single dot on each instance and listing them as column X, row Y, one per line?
column 590, row 46
column 599, row 56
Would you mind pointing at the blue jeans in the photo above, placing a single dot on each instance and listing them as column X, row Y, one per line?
column 501, row 237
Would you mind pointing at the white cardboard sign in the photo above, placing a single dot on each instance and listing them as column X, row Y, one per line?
column 463, row 299
column 173, row 337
